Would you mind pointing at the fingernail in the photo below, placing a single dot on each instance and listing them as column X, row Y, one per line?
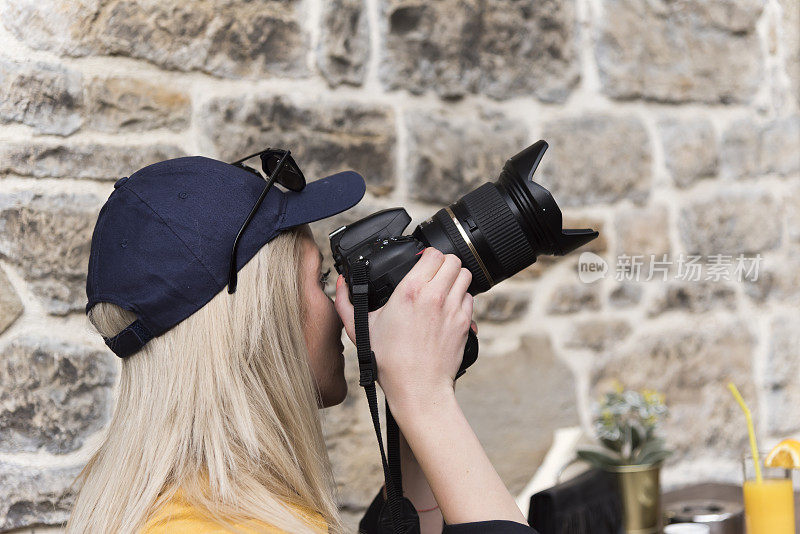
column 338, row 281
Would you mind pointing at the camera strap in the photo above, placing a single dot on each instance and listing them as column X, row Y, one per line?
column 402, row 517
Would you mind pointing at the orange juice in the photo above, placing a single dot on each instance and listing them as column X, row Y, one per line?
column 769, row 506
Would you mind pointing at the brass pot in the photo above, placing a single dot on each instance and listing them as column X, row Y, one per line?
column 640, row 495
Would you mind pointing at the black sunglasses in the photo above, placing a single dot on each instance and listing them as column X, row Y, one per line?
column 279, row 166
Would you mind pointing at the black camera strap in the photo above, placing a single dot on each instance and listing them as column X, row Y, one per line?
column 402, row 517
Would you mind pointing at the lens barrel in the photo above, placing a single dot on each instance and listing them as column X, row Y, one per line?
column 501, row 227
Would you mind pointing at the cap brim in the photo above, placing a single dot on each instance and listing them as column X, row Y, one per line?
column 323, row 198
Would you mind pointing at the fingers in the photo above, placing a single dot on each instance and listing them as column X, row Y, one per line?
column 344, row 307
column 466, row 307
column 448, row 272
column 425, row 268
column 460, row 286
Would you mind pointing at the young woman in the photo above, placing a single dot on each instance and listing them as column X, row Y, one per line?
column 216, row 425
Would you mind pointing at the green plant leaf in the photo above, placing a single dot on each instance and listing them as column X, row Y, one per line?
column 598, row 459
column 655, row 444
column 654, row 457
column 648, row 447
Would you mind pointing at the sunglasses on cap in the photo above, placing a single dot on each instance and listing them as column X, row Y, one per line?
column 279, row 166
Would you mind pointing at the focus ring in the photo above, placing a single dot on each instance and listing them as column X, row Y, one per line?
column 500, row 228
column 479, row 281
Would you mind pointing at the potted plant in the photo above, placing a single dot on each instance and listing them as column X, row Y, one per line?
column 626, row 423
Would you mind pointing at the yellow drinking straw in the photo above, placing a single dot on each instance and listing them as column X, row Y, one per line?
column 750, row 429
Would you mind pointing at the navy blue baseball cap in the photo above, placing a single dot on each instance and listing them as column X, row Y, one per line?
column 162, row 242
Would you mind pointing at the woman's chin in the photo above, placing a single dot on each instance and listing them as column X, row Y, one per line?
column 342, row 393
column 337, row 395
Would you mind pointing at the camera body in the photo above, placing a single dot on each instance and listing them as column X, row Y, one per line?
column 496, row 230
column 377, row 239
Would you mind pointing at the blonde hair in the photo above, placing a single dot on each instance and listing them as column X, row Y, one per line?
column 222, row 406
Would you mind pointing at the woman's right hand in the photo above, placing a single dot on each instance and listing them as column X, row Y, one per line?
column 418, row 338
column 419, row 335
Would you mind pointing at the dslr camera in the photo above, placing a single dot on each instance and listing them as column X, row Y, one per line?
column 496, row 230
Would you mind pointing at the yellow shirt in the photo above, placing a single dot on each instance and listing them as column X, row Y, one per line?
column 179, row 517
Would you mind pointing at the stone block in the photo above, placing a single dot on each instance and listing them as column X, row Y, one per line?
column 751, row 149
column 44, row 96
column 32, row 22
column 501, row 305
column 643, row 231
column 118, row 104
column 625, row 295
column 778, row 150
column 782, row 376
column 48, row 238
column 690, row 149
column 324, row 137
column 691, row 51
column 793, row 213
column 35, row 496
column 598, row 334
column 499, row 48
column 790, row 20
column 777, row 280
column 596, row 158
column 231, row 38
column 450, row 155
column 53, row 394
column 731, row 222
column 693, row 297
column 92, row 161
column 572, row 298
column 344, row 42
column 10, row 304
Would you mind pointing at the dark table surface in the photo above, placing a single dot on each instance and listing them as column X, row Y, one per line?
column 714, row 490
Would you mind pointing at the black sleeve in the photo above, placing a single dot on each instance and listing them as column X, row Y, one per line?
column 496, row 526
column 369, row 523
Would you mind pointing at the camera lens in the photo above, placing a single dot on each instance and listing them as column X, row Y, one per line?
column 501, row 227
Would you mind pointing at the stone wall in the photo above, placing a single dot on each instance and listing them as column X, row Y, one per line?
column 673, row 127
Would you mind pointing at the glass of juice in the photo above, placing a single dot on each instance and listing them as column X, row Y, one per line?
column 769, row 504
